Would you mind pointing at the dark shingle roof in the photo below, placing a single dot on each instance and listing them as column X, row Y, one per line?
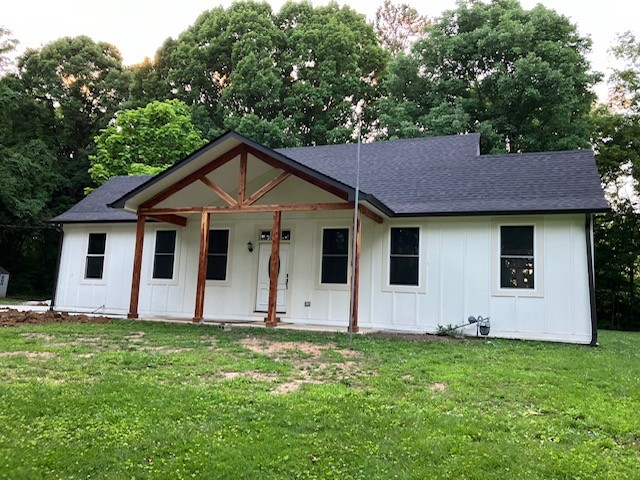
column 422, row 177
column 3, row 271
column 93, row 207
column 445, row 175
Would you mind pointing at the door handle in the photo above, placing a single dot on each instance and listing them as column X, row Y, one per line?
column 287, row 282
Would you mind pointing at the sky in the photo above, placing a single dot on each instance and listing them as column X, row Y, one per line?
column 138, row 27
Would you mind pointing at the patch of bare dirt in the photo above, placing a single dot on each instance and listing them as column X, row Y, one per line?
column 211, row 341
column 79, row 342
column 135, row 337
column 29, row 354
column 294, row 385
column 438, row 387
column 10, row 317
column 98, row 342
column 277, row 348
column 266, row 377
column 161, row 349
column 38, row 336
column 417, row 337
column 314, row 364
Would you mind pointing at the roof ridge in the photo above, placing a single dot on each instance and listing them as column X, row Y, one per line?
column 397, row 140
column 522, row 154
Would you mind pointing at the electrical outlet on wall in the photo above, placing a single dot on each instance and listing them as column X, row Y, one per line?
column 307, row 303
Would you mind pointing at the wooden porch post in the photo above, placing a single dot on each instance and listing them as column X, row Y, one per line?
column 355, row 276
column 202, row 266
column 272, row 321
column 137, row 266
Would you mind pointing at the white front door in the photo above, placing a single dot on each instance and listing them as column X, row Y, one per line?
column 262, row 294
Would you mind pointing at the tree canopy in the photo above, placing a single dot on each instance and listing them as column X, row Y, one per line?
column 520, row 77
column 144, row 141
column 615, row 137
column 399, row 26
column 300, row 71
column 7, row 45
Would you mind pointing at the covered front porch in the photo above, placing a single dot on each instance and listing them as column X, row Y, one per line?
column 244, row 234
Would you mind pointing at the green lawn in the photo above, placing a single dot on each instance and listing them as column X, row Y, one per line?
column 11, row 301
column 146, row 400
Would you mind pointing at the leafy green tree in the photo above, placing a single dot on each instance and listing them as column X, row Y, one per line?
column 226, row 50
column 144, row 141
column 85, row 83
column 7, row 45
column 520, row 77
column 303, row 70
column 616, row 130
column 332, row 63
column 399, row 26
column 145, row 85
column 625, row 81
column 617, row 256
column 28, row 180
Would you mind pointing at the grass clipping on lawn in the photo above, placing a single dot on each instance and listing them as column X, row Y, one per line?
column 131, row 399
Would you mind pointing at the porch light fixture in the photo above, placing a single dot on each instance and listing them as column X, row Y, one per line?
column 250, row 247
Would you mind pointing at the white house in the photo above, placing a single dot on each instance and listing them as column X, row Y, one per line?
column 239, row 232
column 4, row 282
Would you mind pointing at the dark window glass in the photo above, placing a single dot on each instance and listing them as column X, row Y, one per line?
column 166, row 241
column 516, row 240
column 516, row 257
column 218, row 254
column 404, row 261
column 97, row 242
column 94, row 267
column 405, row 241
column 164, row 254
column 335, row 255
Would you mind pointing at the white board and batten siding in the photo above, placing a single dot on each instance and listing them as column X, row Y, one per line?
column 461, row 257
column 75, row 293
column 459, row 260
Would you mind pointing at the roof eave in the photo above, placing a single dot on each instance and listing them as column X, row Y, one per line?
column 480, row 213
column 374, row 202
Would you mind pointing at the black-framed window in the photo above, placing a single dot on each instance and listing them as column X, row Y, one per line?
column 164, row 255
column 335, row 255
column 218, row 254
column 404, row 256
column 517, row 256
column 94, row 267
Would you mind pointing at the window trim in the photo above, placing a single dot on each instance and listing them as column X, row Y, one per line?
column 227, row 281
column 152, row 256
column 319, row 236
column 422, row 260
column 85, row 249
column 538, row 257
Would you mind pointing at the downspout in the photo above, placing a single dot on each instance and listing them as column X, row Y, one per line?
column 60, row 230
column 588, row 231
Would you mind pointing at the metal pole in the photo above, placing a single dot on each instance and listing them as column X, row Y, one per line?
column 355, row 229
